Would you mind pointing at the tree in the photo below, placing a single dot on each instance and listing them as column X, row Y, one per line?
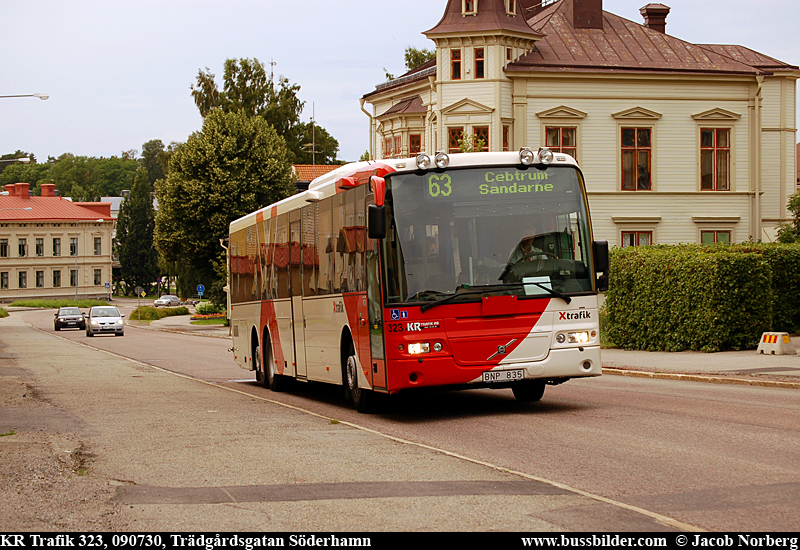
column 790, row 232
column 151, row 161
column 233, row 166
column 247, row 87
column 415, row 58
column 135, row 226
column 314, row 140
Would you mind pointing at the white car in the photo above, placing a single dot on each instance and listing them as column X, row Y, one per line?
column 167, row 300
column 104, row 320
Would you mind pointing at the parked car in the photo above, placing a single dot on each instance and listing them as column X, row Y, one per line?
column 104, row 320
column 69, row 317
column 167, row 300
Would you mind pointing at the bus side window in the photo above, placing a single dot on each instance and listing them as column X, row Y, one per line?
column 339, row 244
column 309, row 250
column 325, row 247
column 282, row 257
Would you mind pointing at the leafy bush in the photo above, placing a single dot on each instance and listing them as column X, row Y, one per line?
column 148, row 313
column 3, row 313
column 207, row 308
column 688, row 297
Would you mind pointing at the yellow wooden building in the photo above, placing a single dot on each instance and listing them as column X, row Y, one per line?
column 679, row 142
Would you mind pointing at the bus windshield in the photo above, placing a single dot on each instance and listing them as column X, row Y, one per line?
column 508, row 230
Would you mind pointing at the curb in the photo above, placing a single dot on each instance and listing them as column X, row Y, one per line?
column 615, row 371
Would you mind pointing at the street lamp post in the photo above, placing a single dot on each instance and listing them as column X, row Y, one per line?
column 38, row 94
column 23, row 160
column 29, row 208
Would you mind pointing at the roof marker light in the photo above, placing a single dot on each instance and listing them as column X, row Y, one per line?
column 526, row 156
column 423, row 161
column 442, row 160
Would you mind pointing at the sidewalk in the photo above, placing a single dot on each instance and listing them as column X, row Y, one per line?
column 734, row 367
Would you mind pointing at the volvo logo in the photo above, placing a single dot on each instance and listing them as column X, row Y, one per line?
column 501, row 350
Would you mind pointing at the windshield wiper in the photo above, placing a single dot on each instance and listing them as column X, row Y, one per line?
column 493, row 288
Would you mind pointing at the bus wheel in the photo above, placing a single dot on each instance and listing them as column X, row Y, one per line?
column 259, row 366
column 275, row 381
column 528, row 390
column 361, row 398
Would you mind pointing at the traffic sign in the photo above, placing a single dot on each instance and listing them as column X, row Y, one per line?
column 143, row 294
column 108, row 285
column 200, row 289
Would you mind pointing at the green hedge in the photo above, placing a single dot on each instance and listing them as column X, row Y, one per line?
column 147, row 313
column 3, row 313
column 689, row 297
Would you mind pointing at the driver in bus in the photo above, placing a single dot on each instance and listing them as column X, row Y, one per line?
column 525, row 249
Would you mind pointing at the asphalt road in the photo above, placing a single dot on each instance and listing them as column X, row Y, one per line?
column 709, row 456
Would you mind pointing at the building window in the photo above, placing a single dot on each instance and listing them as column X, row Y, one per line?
column 98, row 277
column 469, row 7
column 23, row 248
column 715, row 159
column 73, row 277
column 414, row 144
column 73, row 246
column 479, row 65
column 711, row 237
column 506, row 138
column 453, row 135
column 387, row 148
column 562, row 140
column 40, row 279
column 4, row 280
column 23, row 279
column 398, row 146
column 40, row 247
column 56, row 247
column 56, row 278
column 636, row 238
column 455, row 56
column 482, row 133
column 3, row 248
column 508, row 54
column 98, row 246
column 636, row 159
column 511, row 6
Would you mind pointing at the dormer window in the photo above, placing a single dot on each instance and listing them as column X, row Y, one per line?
column 511, row 7
column 469, row 7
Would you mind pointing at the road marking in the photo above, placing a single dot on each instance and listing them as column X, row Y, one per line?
column 664, row 520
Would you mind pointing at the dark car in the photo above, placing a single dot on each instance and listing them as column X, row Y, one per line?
column 104, row 320
column 69, row 317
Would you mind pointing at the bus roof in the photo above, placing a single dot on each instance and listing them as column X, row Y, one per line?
column 326, row 185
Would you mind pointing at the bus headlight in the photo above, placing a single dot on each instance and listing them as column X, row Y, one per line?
column 415, row 349
column 442, row 160
column 423, row 161
column 526, row 156
column 578, row 337
column 545, row 155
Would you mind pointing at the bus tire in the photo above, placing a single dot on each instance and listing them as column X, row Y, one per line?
column 527, row 391
column 261, row 378
column 361, row 398
column 275, row 381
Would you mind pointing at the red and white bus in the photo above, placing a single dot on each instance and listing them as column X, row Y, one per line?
column 467, row 270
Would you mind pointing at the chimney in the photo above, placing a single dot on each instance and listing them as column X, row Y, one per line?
column 48, row 189
column 11, row 189
column 655, row 17
column 24, row 190
column 585, row 14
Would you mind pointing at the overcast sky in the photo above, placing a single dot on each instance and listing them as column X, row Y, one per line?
column 119, row 73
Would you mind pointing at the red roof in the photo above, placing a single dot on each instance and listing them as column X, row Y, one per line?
column 307, row 172
column 12, row 208
column 623, row 45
